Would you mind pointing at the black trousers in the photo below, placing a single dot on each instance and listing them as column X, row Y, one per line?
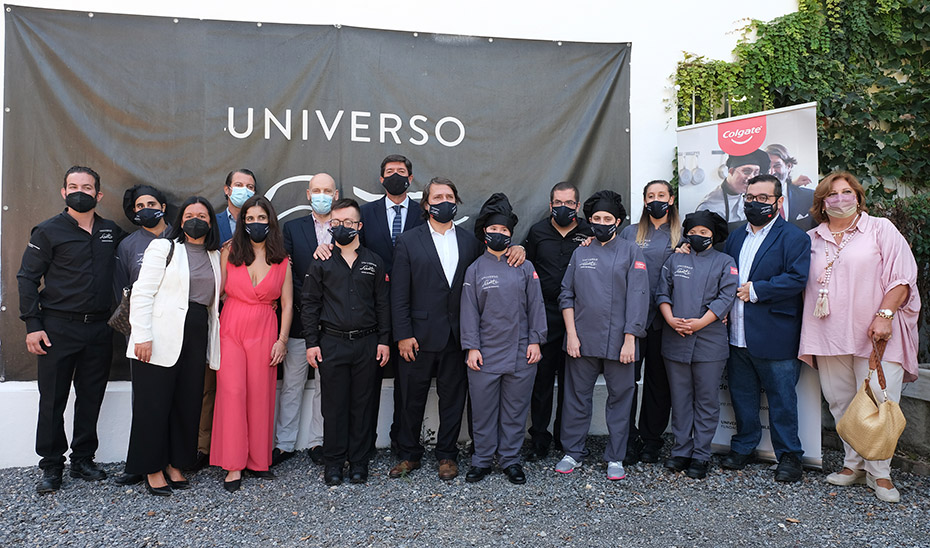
column 657, row 399
column 391, row 366
column 166, row 403
column 80, row 352
column 551, row 365
column 451, row 387
column 347, row 378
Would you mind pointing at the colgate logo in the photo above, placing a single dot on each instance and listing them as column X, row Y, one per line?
column 741, row 137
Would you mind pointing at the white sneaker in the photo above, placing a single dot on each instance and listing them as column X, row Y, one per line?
column 881, row 493
column 843, row 480
column 567, row 465
column 615, row 470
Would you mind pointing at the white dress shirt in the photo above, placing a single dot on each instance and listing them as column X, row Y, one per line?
column 747, row 255
column 447, row 246
column 389, row 208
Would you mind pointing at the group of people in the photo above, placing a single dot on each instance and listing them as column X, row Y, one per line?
column 217, row 301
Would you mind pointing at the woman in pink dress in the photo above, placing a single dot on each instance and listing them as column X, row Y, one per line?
column 256, row 274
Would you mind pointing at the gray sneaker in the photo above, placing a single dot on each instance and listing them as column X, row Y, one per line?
column 615, row 470
column 567, row 465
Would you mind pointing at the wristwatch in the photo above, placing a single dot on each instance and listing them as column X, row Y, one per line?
column 886, row 313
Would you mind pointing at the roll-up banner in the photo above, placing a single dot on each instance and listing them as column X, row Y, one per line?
column 715, row 159
column 178, row 103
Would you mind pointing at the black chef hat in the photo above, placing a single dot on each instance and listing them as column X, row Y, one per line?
column 605, row 200
column 707, row 219
column 132, row 194
column 757, row 158
column 495, row 211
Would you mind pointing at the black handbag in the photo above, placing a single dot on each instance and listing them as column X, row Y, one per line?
column 119, row 320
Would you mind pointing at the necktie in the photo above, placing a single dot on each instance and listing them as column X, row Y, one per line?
column 395, row 226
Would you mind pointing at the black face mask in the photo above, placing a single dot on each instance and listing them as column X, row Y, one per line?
column 563, row 215
column 759, row 214
column 496, row 241
column 195, row 228
column 443, row 212
column 148, row 217
column 604, row 233
column 395, row 184
column 257, row 231
column 80, row 202
column 657, row 209
column 343, row 234
column 699, row 243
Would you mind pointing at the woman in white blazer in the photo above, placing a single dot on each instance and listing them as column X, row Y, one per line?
column 174, row 314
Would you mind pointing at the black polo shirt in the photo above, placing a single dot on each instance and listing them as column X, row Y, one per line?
column 76, row 267
column 550, row 253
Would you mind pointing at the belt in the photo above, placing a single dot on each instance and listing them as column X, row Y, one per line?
column 76, row 317
column 349, row 335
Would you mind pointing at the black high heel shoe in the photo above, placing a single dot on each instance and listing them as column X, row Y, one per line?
column 232, row 486
column 164, row 491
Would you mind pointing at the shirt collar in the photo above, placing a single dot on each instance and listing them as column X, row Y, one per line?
column 388, row 204
column 441, row 235
column 823, row 229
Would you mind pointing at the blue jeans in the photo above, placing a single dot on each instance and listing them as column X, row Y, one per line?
column 748, row 375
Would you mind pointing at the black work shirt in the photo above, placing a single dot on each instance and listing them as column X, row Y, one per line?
column 77, row 268
column 550, row 253
column 346, row 299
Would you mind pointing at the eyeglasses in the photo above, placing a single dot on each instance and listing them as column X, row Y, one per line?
column 559, row 203
column 348, row 224
column 748, row 198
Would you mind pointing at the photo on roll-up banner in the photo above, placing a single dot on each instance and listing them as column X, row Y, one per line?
column 782, row 143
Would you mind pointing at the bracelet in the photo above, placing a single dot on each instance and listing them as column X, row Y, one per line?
column 885, row 313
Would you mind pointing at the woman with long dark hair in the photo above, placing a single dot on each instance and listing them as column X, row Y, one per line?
column 256, row 274
column 174, row 314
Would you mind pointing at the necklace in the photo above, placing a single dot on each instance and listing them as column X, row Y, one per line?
column 848, row 227
column 822, row 307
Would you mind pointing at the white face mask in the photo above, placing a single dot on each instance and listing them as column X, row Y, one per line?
column 841, row 206
column 239, row 195
column 322, row 204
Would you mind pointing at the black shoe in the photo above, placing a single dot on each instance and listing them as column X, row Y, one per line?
column 87, row 470
column 515, row 474
column 278, row 456
column 262, row 474
column 164, row 491
column 477, row 473
column 358, row 473
column 735, row 461
column 789, row 468
column 232, row 486
column 537, row 453
column 677, row 464
column 698, row 469
column 50, row 482
column 633, row 449
column 201, row 462
column 333, row 475
column 127, row 479
column 316, row 454
column 650, row 454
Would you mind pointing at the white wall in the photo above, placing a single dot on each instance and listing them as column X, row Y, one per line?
column 659, row 31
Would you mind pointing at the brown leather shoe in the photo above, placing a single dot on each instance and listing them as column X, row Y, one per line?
column 448, row 470
column 403, row 468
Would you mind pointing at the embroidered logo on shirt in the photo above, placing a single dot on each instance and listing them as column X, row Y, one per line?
column 734, row 271
column 488, row 282
column 683, row 271
column 367, row 268
column 589, row 263
column 106, row 234
column 387, row 278
column 639, row 265
column 535, row 275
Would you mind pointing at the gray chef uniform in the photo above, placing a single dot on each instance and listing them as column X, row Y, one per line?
column 692, row 284
column 608, row 288
column 502, row 313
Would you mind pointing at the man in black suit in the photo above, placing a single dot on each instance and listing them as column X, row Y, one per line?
column 301, row 238
column 798, row 200
column 426, row 290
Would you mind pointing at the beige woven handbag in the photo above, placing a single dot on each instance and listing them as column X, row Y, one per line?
column 869, row 427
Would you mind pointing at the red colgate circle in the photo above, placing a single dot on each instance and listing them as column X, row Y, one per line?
column 741, row 137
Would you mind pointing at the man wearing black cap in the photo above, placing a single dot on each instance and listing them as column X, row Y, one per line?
column 71, row 257
column 503, row 323
column 605, row 304
column 144, row 205
column 727, row 199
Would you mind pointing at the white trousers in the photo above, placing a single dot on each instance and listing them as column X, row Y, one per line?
column 287, row 423
column 840, row 379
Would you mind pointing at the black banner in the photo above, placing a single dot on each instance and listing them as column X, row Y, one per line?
column 177, row 103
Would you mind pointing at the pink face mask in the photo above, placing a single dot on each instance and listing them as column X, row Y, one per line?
column 841, row 206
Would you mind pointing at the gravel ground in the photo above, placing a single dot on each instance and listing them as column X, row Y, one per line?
column 650, row 508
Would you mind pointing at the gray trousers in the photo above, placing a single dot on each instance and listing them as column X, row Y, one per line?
column 294, row 380
column 695, row 391
column 580, row 377
column 499, row 403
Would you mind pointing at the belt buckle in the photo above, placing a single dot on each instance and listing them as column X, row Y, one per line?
column 351, row 335
column 87, row 318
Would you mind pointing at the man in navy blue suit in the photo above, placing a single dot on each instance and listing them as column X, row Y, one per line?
column 773, row 258
column 796, row 209
column 240, row 186
column 301, row 238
